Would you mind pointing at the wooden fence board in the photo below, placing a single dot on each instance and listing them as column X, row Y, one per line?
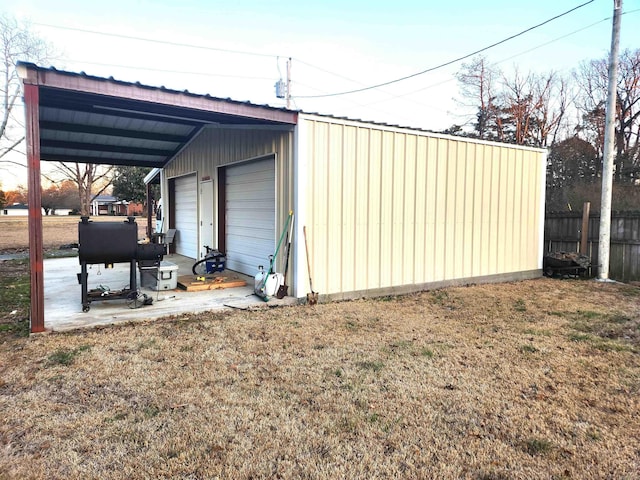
column 562, row 233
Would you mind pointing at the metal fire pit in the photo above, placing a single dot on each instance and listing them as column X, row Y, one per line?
column 565, row 263
column 108, row 243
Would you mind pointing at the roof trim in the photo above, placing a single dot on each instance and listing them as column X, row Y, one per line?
column 417, row 131
column 32, row 74
column 149, row 177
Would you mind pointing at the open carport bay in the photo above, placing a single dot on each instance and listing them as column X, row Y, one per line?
column 63, row 305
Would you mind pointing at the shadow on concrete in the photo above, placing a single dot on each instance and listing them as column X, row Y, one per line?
column 63, row 301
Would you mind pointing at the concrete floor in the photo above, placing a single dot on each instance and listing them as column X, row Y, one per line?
column 63, row 300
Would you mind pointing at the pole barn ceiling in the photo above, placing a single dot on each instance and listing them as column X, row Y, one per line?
column 88, row 119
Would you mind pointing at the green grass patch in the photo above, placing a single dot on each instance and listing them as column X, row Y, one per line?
column 400, row 345
column 538, row 333
column 148, row 343
column 66, row 357
column 520, row 306
column 613, row 331
column 426, row 352
column 580, row 337
column 588, row 314
column 370, row 365
column 117, row 417
column 151, row 411
column 351, row 325
column 439, row 297
column 387, row 298
column 594, row 435
column 528, row 348
column 537, row 446
column 630, row 291
column 15, row 298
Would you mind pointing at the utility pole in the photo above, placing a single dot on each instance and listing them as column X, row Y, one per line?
column 288, row 94
column 607, row 159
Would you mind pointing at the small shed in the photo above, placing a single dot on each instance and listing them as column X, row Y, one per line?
column 387, row 209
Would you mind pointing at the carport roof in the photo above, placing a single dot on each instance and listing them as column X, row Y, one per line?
column 88, row 119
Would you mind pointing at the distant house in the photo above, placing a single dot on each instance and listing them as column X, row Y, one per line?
column 110, row 205
column 22, row 210
column 60, row 212
column 15, row 210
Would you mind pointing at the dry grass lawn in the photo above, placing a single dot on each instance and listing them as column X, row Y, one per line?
column 536, row 379
column 56, row 230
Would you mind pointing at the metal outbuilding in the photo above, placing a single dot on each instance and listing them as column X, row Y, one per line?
column 387, row 209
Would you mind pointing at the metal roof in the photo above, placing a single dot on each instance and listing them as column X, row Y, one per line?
column 88, row 119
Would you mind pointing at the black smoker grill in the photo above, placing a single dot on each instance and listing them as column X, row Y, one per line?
column 109, row 243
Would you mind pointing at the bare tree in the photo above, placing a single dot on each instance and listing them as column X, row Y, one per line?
column 90, row 179
column 524, row 109
column 17, row 43
column 477, row 87
column 60, row 195
column 592, row 80
column 536, row 105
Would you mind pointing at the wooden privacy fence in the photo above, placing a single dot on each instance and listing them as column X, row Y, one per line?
column 562, row 232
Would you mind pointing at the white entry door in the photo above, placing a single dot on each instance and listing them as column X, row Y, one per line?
column 186, row 212
column 206, row 216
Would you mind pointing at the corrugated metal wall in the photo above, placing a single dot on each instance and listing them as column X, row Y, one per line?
column 214, row 147
column 390, row 207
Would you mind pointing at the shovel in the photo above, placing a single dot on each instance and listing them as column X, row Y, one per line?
column 312, row 298
column 284, row 288
column 260, row 290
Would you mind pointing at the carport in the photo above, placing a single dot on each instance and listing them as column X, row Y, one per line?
column 73, row 117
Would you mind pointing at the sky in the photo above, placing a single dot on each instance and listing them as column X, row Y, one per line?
column 240, row 49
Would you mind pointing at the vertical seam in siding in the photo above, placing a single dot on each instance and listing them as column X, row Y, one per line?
column 415, row 210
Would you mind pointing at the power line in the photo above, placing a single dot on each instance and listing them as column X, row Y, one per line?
column 437, row 67
column 149, row 69
column 153, row 40
column 503, row 60
column 499, row 61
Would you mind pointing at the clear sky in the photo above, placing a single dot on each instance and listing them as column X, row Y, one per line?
column 335, row 45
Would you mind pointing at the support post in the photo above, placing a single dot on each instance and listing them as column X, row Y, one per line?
column 32, row 113
column 607, row 159
column 150, row 201
column 584, row 233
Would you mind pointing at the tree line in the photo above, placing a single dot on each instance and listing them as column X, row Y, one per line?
column 565, row 114
column 126, row 183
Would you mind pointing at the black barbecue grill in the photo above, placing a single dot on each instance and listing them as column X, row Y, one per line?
column 108, row 243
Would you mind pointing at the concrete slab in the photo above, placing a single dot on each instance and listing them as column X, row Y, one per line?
column 63, row 300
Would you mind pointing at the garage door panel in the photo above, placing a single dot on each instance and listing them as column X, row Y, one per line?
column 250, row 197
column 250, row 215
column 249, row 244
column 257, row 207
column 253, row 229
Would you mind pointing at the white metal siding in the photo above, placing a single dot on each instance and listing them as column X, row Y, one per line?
column 250, row 215
column 390, row 207
column 186, row 212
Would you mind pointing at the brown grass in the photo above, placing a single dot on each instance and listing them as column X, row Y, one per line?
column 537, row 379
column 56, row 230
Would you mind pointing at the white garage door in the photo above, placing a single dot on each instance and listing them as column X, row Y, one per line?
column 250, row 215
column 186, row 221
